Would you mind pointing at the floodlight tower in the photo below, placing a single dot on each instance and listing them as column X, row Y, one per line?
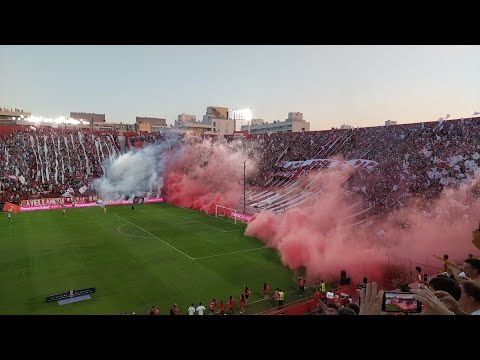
column 244, row 185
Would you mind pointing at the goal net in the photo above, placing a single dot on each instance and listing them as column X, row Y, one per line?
column 226, row 212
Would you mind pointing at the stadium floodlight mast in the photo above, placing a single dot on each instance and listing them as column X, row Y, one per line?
column 244, row 186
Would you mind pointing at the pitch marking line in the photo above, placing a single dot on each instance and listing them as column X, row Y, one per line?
column 156, row 237
column 201, row 222
column 121, row 232
column 233, row 252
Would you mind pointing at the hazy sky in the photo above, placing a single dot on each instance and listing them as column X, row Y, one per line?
column 331, row 85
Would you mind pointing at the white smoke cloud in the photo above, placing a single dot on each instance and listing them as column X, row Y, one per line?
column 134, row 173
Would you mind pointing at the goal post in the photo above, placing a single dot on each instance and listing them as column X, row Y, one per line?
column 226, row 211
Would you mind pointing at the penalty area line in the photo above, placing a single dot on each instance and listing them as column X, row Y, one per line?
column 156, row 237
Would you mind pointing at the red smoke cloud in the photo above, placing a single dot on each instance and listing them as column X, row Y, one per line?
column 320, row 235
column 202, row 175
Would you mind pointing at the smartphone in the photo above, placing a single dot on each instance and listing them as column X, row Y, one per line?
column 400, row 302
column 425, row 277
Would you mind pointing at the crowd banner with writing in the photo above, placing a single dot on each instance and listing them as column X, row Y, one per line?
column 51, row 204
column 293, row 169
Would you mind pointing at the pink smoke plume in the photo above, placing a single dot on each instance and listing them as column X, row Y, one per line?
column 202, row 175
column 320, row 236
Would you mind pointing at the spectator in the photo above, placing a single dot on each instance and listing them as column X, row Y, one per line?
column 153, row 311
column 330, row 309
column 200, row 309
column 345, row 311
column 370, row 300
column 441, row 283
column 354, row 307
column 471, row 268
column 470, row 299
column 469, row 303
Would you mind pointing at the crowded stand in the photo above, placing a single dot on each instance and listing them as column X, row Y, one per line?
column 411, row 160
column 392, row 165
column 407, row 161
column 48, row 162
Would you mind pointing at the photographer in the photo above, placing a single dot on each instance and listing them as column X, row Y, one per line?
column 469, row 303
column 433, row 305
column 370, row 300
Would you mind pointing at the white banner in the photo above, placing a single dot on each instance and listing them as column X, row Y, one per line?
column 330, row 163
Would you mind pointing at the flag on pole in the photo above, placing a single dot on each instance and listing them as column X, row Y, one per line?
column 11, row 207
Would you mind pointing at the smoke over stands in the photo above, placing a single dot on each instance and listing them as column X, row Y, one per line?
column 318, row 234
column 204, row 174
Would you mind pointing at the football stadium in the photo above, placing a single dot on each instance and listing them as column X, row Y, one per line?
column 233, row 215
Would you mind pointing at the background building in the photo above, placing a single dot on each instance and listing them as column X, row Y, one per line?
column 11, row 116
column 149, row 124
column 390, row 122
column 186, row 118
column 214, row 122
column 92, row 118
column 294, row 123
column 217, row 112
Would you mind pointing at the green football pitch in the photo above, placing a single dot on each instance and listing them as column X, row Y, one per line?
column 156, row 254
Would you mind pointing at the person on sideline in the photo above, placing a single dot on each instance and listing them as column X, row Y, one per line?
column 242, row 303
column 201, row 309
column 231, row 304
column 213, row 305
column 281, row 297
column 247, row 294
column 276, row 296
column 265, row 291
